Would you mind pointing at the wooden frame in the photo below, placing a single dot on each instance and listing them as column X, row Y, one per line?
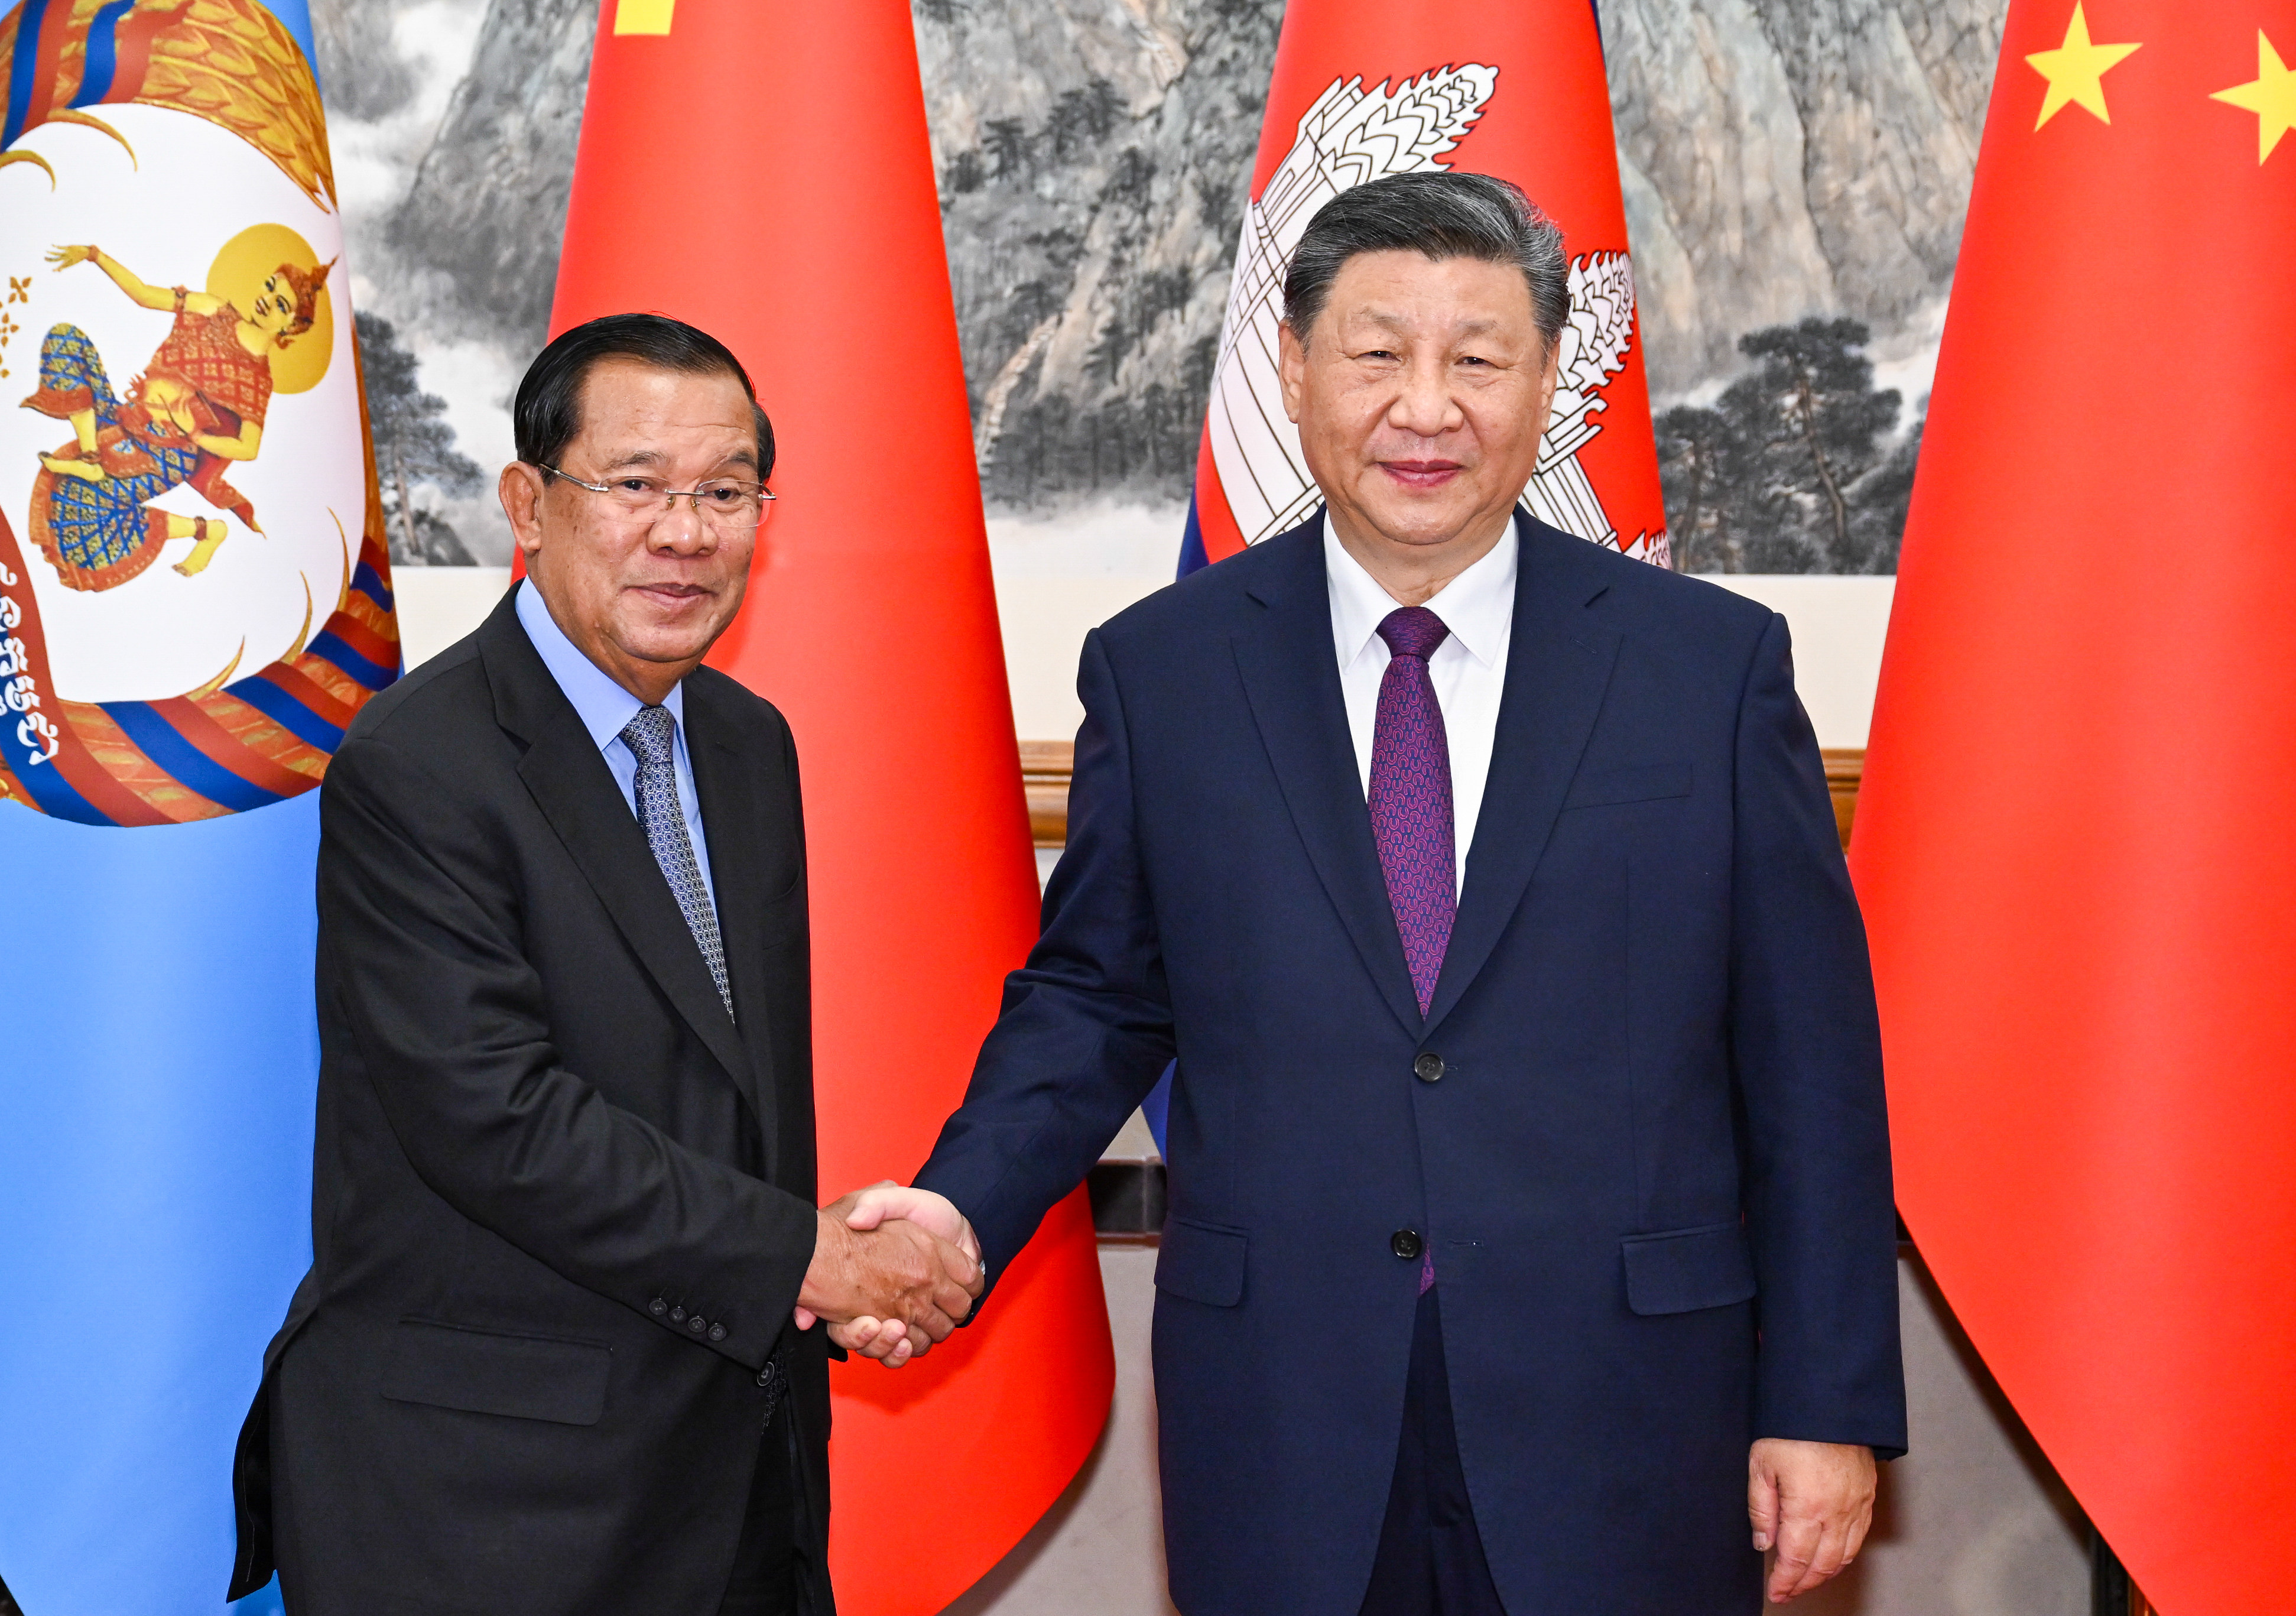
column 1047, row 765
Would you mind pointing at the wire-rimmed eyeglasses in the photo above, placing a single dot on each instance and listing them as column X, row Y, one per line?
column 725, row 503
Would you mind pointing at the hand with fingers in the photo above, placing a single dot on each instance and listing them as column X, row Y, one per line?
column 1812, row 1502
column 893, row 1271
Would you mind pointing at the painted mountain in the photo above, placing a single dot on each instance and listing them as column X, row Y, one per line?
column 1796, row 172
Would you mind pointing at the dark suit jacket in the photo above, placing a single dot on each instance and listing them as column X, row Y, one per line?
column 1650, row 1156
column 562, row 1205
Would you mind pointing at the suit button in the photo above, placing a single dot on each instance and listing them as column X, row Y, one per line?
column 765, row 1377
column 1428, row 1068
column 657, row 1307
column 716, row 1333
column 677, row 1315
column 697, row 1323
column 1405, row 1244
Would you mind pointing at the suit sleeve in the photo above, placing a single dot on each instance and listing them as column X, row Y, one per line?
column 1085, row 1027
column 420, row 940
column 1807, row 1052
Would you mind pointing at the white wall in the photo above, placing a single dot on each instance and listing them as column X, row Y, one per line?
column 1048, row 607
column 1837, row 625
column 438, row 605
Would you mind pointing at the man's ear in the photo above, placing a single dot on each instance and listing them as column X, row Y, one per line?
column 521, row 501
column 1291, row 369
column 1549, row 375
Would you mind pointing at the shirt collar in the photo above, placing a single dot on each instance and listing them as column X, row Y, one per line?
column 1478, row 606
column 604, row 707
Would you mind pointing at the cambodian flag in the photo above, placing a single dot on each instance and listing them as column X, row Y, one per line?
column 194, row 603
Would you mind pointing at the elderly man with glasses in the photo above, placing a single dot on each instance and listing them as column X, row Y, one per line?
column 563, row 1212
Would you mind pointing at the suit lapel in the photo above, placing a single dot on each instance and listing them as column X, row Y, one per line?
column 1558, row 667
column 734, row 807
column 1291, row 676
column 577, row 794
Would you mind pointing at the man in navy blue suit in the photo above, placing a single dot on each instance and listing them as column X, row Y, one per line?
column 1529, row 1177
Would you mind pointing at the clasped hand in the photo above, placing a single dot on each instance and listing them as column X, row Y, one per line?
column 894, row 1270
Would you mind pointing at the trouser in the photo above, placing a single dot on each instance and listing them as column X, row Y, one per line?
column 764, row 1564
column 1431, row 1557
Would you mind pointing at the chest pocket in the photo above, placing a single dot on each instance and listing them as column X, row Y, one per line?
column 1636, row 782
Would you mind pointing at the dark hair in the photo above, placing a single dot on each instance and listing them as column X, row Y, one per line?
column 547, row 413
column 1443, row 215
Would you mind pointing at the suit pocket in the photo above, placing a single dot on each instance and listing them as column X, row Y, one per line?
column 1641, row 782
column 1202, row 1262
column 527, row 1377
column 1682, row 1270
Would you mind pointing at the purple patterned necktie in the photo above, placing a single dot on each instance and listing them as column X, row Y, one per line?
column 1411, row 809
column 1410, row 796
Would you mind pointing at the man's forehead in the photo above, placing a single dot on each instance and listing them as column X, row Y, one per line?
column 634, row 413
column 1412, row 279
column 1462, row 320
column 622, row 455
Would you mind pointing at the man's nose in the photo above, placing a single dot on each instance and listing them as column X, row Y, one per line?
column 680, row 531
column 1424, row 405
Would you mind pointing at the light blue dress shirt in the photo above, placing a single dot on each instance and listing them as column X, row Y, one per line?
column 606, row 709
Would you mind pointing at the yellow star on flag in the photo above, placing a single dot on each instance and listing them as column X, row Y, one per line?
column 2076, row 71
column 2271, row 95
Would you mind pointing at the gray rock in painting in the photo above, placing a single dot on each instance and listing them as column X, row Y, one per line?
column 1093, row 158
column 359, row 65
column 486, row 207
column 1781, row 159
column 1784, row 158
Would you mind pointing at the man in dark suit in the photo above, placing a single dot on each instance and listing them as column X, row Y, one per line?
column 563, row 1208
column 1530, row 1210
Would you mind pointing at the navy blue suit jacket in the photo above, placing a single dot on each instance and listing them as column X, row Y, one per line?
column 1654, row 1172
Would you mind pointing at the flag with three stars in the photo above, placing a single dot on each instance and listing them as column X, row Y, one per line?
column 2072, row 843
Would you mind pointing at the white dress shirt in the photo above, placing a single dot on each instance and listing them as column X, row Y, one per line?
column 606, row 709
column 1468, row 670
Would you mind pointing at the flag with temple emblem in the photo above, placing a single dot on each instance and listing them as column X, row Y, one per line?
column 791, row 213
column 194, row 601
column 2072, row 843
column 1366, row 88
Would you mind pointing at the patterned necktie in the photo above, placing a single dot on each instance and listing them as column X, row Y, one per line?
column 1410, row 796
column 650, row 737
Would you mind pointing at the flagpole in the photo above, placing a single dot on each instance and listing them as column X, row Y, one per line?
column 2111, row 1592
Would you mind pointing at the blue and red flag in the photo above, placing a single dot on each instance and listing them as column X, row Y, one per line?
column 194, row 603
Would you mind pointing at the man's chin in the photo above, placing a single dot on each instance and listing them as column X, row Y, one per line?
column 1429, row 521
column 671, row 637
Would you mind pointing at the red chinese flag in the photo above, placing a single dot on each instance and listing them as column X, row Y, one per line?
column 2073, row 847
column 759, row 167
column 1366, row 88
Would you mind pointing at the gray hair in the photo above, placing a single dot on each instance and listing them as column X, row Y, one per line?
column 1443, row 215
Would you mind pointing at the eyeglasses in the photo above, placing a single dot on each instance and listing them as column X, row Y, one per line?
column 725, row 503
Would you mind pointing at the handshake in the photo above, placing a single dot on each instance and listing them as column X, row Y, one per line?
column 893, row 1271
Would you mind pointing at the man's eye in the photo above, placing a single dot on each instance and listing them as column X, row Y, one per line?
column 721, row 493
column 635, row 485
